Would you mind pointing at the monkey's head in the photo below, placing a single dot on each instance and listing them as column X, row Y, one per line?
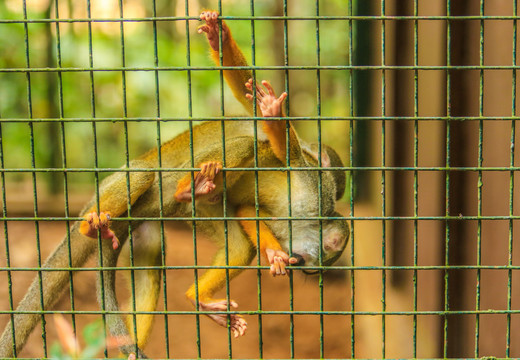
column 335, row 233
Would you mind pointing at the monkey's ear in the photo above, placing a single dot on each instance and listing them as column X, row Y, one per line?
column 325, row 159
column 330, row 158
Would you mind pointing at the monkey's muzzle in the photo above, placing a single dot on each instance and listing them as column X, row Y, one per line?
column 301, row 260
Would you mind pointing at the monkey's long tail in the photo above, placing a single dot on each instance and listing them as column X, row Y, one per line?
column 54, row 284
column 107, row 297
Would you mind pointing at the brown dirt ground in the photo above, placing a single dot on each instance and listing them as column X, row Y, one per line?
column 182, row 334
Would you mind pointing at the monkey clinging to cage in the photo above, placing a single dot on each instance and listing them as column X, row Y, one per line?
column 143, row 197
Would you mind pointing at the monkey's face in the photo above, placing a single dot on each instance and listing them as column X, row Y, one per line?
column 335, row 237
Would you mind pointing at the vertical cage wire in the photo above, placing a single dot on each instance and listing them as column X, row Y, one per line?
column 33, row 166
column 383, row 178
column 64, row 160
column 320, row 183
column 159, row 158
column 6, row 240
column 351, row 183
column 511, row 184
column 256, row 189
column 416, row 165
column 447, row 187
column 194, row 208
column 224, row 182
column 127, row 179
column 288, row 163
column 480, row 184
column 96, row 174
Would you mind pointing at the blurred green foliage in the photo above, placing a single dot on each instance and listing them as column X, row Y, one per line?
column 93, row 336
column 37, row 94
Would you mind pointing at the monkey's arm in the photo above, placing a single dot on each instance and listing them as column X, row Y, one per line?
column 269, row 246
column 240, row 81
column 231, row 56
column 276, row 130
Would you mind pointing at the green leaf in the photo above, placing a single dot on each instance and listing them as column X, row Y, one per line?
column 56, row 351
column 93, row 334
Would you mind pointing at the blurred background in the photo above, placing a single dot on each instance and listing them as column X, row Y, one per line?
column 417, row 96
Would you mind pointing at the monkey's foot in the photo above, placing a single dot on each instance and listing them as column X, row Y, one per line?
column 278, row 259
column 270, row 105
column 211, row 29
column 237, row 323
column 203, row 183
column 94, row 223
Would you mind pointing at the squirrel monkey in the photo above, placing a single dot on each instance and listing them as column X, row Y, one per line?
column 273, row 193
column 301, row 154
column 335, row 232
column 144, row 198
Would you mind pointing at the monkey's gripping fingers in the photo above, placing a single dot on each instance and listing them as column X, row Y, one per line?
column 202, row 182
column 211, row 28
column 94, row 223
column 278, row 259
column 270, row 105
column 238, row 325
column 259, row 90
column 236, row 322
column 210, row 169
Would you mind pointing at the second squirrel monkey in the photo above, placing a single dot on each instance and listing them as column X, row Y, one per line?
column 145, row 197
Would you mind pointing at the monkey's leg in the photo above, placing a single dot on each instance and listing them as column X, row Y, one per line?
column 147, row 252
column 203, row 182
column 114, row 198
column 240, row 253
column 206, row 180
column 269, row 246
column 54, row 283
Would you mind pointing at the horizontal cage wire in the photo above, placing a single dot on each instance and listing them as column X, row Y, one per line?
column 367, row 198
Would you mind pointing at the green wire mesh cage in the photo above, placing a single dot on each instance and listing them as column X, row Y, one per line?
column 417, row 97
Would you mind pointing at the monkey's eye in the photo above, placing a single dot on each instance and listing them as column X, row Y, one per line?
column 332, row 258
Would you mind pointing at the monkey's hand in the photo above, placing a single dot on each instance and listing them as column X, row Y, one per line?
column 94, row 223
column 236, row 322
column 270, row 105
column 278, row 259
column 203, row 182
column 211, row 29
